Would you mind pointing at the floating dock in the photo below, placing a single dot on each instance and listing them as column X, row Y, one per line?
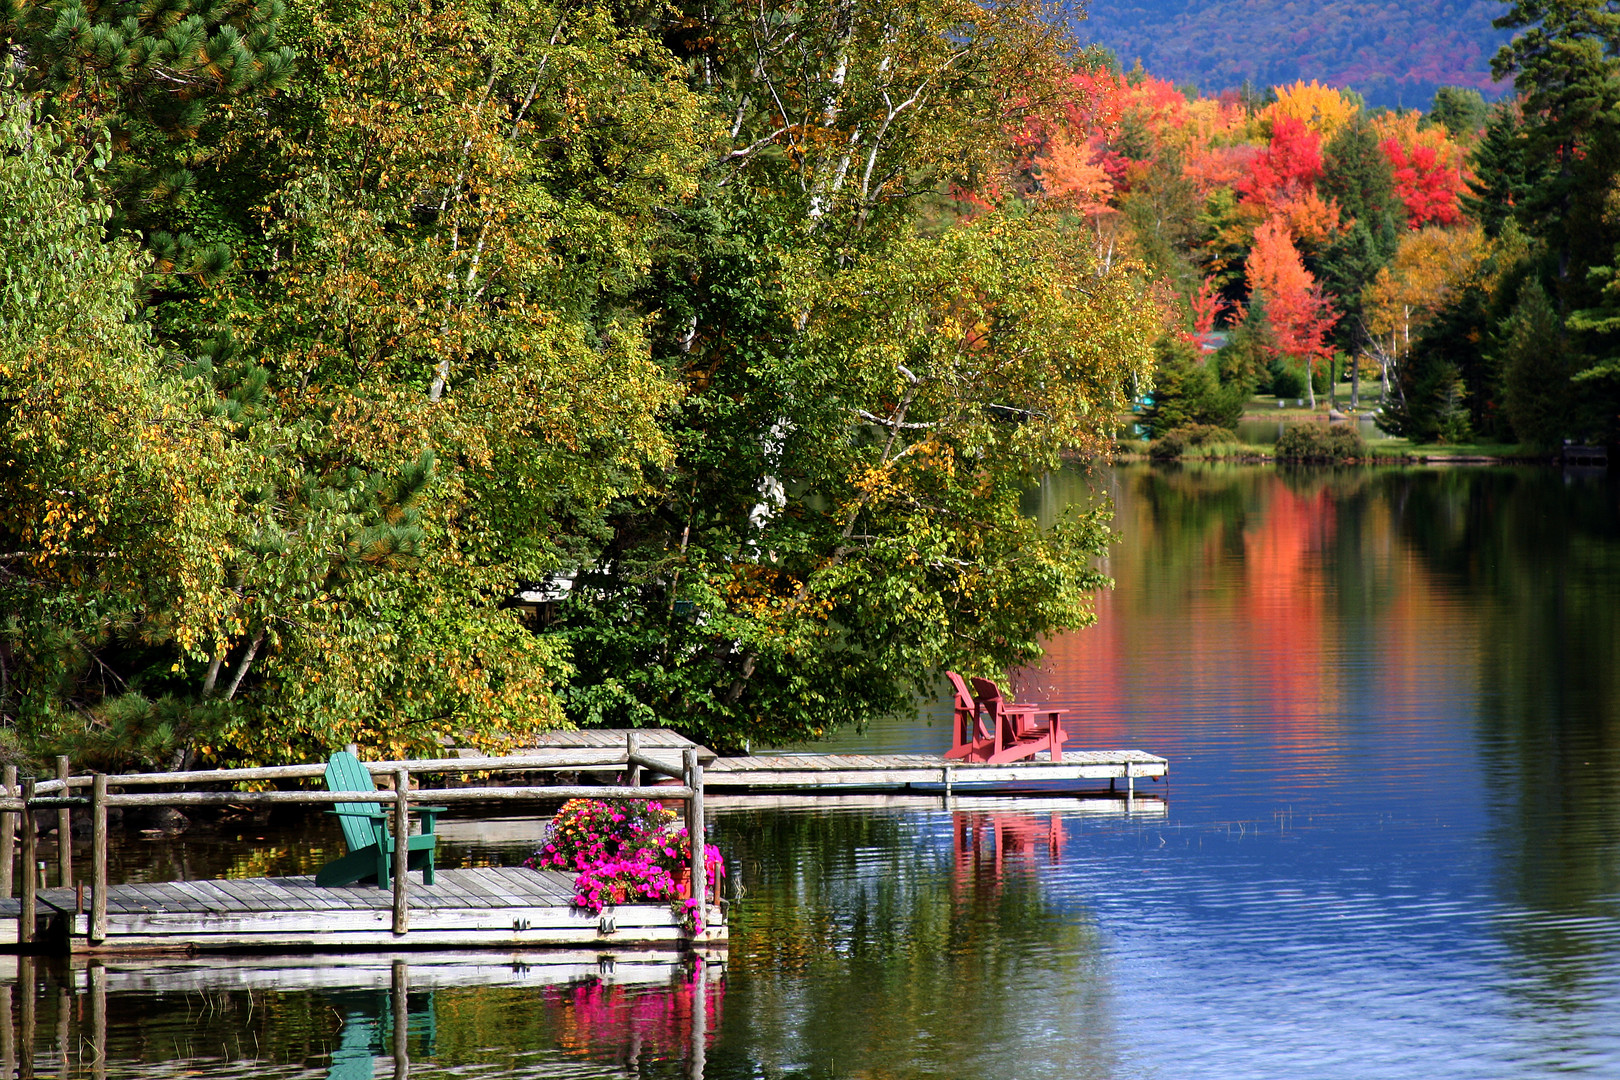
column 490, row 907
column 775, row 772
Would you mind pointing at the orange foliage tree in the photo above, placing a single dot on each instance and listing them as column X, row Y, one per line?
column 1299, row 314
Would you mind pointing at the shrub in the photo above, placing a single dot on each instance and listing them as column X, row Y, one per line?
column 1287, row 382
column 1206, row 434
column 1167, row 447
column 1321, row 442
column 1173, row 445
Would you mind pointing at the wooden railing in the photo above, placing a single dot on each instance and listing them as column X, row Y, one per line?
column 22, row 797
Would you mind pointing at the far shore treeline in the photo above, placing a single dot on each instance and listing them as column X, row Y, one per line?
column 435, row 373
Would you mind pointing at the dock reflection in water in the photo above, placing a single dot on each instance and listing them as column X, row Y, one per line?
column 355, row 1018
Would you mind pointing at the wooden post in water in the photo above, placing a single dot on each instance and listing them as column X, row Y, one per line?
column 632, row 747
column 8, row 835
column 98, row 859
column 64, row 826
column 8, row 1036
column 25, row 921
column 402, row 824
column 700, row 1017
column 695, row 834
column 97, row 976
column 402, row 1020
column 64, row 1017
column 26, row 1022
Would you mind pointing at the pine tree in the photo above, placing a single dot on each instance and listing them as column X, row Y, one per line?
column 1506, row 174
column 1357, row 175
column 1460, row 110
column 147, row 76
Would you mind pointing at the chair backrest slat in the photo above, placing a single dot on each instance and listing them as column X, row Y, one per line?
column 989, row 695
column 345, row 773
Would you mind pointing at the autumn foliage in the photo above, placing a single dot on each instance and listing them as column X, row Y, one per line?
column 1226, row 196
column 1300, row 315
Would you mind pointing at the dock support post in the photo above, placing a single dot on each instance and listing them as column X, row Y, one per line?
column 8, row 833
column 632, row 747
column 97, row 976
column 26, row 990
column 25, row 921
column 700, row 1016
column 64, row 1028
column 695, row 833
column 8, row 1035
column 98, row 859
column 402, row 824
column 402, row 1019
column 64, row 827
column 946, row 769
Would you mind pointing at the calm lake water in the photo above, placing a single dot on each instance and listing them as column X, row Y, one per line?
column 1389, row 844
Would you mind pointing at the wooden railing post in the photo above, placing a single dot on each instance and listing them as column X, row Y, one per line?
column 98, row 859
column 64, row 826
column 8, row 833
column 25, row 921
column 695, row 834
column 632, row 747
column 402, row 824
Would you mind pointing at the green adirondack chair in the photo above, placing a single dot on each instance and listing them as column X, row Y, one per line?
column 366, row 832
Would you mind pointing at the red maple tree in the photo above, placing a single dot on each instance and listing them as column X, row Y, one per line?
column 1300, row 316
column 1426, row 183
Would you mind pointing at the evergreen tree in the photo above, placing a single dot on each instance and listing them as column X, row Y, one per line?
column 1244, row 361
column 1537, row 394
column 1357, row 175
column 153, row 79
column 1506, row 175
column 1187, row 391
column 1460, row 110
column 1565, row 61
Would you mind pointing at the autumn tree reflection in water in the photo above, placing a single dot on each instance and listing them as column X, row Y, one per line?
column 909, row 944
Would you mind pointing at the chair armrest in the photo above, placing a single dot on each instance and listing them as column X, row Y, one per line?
column 427, row 814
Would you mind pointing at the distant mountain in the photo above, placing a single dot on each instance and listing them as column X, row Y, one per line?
column 1393, row 54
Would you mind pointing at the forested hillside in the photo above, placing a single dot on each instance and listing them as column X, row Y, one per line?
column 1393, row 54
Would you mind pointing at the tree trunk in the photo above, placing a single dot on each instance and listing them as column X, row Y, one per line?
column 242, row 666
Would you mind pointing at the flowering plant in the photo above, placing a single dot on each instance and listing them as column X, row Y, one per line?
column 626, row 851
column 587, row 832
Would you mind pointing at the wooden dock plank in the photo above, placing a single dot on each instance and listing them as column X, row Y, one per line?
column 477, row 907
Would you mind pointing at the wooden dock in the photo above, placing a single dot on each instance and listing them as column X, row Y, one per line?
column 464, row 908
column 776, row 772
column 887, row 772
column 491, row 907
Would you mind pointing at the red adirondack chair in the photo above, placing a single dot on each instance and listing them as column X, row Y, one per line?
column 1019, row 731
column 970, row 735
